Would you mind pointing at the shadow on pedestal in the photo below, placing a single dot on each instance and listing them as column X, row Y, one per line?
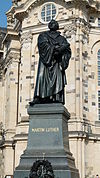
column 48, row 139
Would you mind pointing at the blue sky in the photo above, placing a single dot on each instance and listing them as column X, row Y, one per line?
column 4, row 7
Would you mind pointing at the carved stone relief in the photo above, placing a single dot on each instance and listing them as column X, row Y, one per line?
column 69, row 30
column 26, row 39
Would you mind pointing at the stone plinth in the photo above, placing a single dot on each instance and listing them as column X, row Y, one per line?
column 48, row 139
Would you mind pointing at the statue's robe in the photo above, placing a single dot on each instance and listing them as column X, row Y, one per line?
column 51, row 77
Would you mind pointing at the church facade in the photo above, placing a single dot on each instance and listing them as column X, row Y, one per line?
column 79, row 22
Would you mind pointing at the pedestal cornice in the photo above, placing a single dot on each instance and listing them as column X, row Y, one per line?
column 53, row 108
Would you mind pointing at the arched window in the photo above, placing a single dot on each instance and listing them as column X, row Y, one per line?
column 48, row 12
column 98, row 57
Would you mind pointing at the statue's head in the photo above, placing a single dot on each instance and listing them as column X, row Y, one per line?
column 53, row 25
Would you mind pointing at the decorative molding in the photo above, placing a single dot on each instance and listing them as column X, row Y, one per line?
column 70, row 30
column 91, row 5
column 12, row 56
column 11, row 34
column 2, row 134
column 97, row 42
column 1, row 127
column 10, row 18
column 26, row 39
column 85, row 28
column 23, row 9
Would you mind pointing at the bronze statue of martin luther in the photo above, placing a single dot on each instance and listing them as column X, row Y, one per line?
column 54, row 55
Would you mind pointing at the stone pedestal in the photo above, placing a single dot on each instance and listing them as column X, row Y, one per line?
column 48, row 139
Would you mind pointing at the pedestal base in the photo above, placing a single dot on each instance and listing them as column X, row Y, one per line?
column 48, row 139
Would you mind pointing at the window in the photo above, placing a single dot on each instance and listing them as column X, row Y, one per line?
column 99, row 104
column 98, row 22
column 48, row 12
column 91, row 20
column 98, row 56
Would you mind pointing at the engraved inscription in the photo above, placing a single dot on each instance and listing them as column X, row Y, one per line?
column 50, row 129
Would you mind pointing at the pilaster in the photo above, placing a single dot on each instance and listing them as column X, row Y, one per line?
column 78, row 35
column 25, row 73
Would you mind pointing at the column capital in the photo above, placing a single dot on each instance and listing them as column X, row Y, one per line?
column 26, row 37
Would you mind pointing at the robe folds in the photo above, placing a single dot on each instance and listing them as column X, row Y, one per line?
column 51, row 77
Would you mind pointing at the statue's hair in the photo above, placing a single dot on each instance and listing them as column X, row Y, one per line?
column 53, row 27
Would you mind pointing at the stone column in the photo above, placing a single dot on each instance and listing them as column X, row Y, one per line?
column 70, row 34
column 12, row 85
column 11, row 105
column 25, row 73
